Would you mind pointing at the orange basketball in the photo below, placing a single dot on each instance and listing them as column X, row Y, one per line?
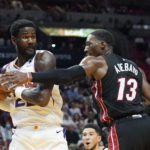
column 3, row 95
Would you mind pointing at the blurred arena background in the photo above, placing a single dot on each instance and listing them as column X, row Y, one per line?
column 62, row 28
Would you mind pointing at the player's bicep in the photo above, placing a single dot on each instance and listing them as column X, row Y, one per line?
column 89, row 69
column 40, row 94
column 45, row 61
column 90, row 65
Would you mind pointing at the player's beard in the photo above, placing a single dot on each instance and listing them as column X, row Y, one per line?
column 25, row 54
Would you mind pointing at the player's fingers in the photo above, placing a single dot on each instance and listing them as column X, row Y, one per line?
column 5, row 78
column 12, row 88
column 4, row 88
column 6, row 83
column 9, row 80
column 15, row 78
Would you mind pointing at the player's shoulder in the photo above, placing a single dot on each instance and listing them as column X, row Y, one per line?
column 45, row 59
column 93, row 60
column 6, row 66
column 44, row 54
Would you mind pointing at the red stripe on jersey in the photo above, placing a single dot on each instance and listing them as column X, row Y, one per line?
column 97, row 92
column 113, row 139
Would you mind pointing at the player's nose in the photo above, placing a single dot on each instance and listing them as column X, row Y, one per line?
column 86, row 50
column 30, row 40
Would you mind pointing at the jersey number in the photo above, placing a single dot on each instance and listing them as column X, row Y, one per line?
column 123, row 84
column 20, row 103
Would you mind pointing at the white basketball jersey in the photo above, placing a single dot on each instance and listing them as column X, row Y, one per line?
column 24, row 113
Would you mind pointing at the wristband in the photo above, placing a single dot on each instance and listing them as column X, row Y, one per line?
column 29, row 77
column 18, row 91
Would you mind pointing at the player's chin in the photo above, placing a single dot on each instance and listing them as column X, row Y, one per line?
column 30, row 54
column 88, row 146
column 31, row 51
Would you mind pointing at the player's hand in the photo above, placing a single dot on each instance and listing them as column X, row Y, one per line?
column 4, row 88
column 13, row 79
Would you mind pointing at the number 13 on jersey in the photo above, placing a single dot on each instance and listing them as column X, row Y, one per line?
column 128, row 95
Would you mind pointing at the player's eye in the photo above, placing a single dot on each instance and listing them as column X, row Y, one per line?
column 33, row 37
column 25, row 38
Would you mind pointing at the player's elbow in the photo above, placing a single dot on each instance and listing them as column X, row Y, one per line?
column 43, row 104
column 42, row 101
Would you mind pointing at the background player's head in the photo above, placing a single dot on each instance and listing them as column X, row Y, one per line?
column 91, row 136
column 99, row 42
column 23, row 37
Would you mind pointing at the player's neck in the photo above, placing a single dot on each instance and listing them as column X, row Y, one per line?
column 97, row 147
column 101, row 148
column 20, row 61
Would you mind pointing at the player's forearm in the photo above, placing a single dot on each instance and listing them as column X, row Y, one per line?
column 32, row 95
column 60, row 76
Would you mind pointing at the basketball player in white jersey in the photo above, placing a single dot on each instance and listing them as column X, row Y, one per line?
column 36, row 108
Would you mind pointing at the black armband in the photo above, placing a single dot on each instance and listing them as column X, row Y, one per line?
column 60, row 76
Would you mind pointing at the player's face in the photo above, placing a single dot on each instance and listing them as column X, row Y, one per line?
column 90, row 139
column 93, row 46
column 26, row 42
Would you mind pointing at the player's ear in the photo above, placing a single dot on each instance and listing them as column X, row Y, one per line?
column 13, row 40
column 98, row 139
column 103, row 45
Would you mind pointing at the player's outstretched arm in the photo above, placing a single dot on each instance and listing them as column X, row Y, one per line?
column 87, row 67
column 55, row 76
column 60, row 76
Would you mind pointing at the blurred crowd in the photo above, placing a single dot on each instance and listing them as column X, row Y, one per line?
column 55, row 11
column 103, row 6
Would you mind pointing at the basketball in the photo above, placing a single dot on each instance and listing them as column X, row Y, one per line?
column 3, row 95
